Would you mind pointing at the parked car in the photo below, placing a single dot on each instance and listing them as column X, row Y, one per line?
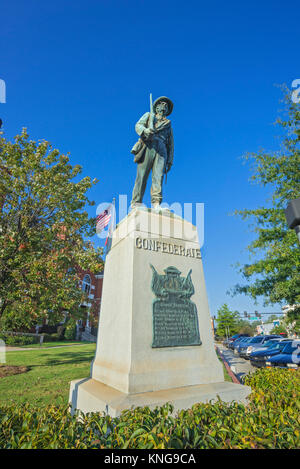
column 267, row 344
column 254, row 341
column 288, row 357
column 232, row 342
column 238, row 340
column 226, row 342
column 234, row 338
column 259, row 357
column 260, row 346
column 238, row 343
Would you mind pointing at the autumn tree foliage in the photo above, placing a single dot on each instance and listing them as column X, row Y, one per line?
column 44, row 231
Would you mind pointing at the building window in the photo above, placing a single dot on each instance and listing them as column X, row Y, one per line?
column 86, row 284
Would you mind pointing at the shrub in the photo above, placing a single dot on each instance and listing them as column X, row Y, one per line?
column 15, row 340
column 51, row 330
column 271, row 420
column 70, row 333
column 47, row 329
column 51, row 338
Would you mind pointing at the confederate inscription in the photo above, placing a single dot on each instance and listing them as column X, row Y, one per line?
column 175, row 319
column 169, row 248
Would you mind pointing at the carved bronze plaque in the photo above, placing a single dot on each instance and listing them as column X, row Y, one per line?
column 175, row 319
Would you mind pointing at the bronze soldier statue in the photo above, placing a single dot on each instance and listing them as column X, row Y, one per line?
column 154, row 150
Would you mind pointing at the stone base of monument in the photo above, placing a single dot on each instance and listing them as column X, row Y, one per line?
column 155, row 342
column 92, row 396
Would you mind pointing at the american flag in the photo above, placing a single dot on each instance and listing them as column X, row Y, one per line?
column 102, row 220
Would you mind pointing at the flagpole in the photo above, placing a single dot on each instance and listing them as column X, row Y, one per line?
column 111, row 228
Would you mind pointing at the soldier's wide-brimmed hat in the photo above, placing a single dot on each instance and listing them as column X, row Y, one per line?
column 167, row 100
column 172, row 270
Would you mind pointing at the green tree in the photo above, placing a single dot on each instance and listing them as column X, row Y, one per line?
column 44, row 231
column 271, row 318
column 273, row 272
column 279, row 329
column 245, row 327
column 227, row 321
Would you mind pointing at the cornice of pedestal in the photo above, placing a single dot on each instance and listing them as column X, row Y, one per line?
column 155, row 224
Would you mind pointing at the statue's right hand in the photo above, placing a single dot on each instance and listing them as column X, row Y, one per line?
column 148, row 133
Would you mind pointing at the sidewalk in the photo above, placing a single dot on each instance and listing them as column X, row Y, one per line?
column 19, row 349
column 239, row 366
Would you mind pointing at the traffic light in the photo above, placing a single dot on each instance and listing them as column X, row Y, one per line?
column 292, row 215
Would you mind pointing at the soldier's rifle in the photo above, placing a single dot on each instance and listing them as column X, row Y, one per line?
column 151, row 126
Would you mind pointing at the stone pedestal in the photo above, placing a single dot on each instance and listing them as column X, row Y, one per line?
column 155, row 342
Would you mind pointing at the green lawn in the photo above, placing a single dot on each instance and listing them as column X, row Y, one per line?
column 49, row 375
column 226, row 374
column 48, row 380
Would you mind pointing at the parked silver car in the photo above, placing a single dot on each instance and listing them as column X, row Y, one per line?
column 259, row 340
column 262, row 346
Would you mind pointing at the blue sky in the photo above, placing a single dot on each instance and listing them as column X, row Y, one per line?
column 79, row 74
